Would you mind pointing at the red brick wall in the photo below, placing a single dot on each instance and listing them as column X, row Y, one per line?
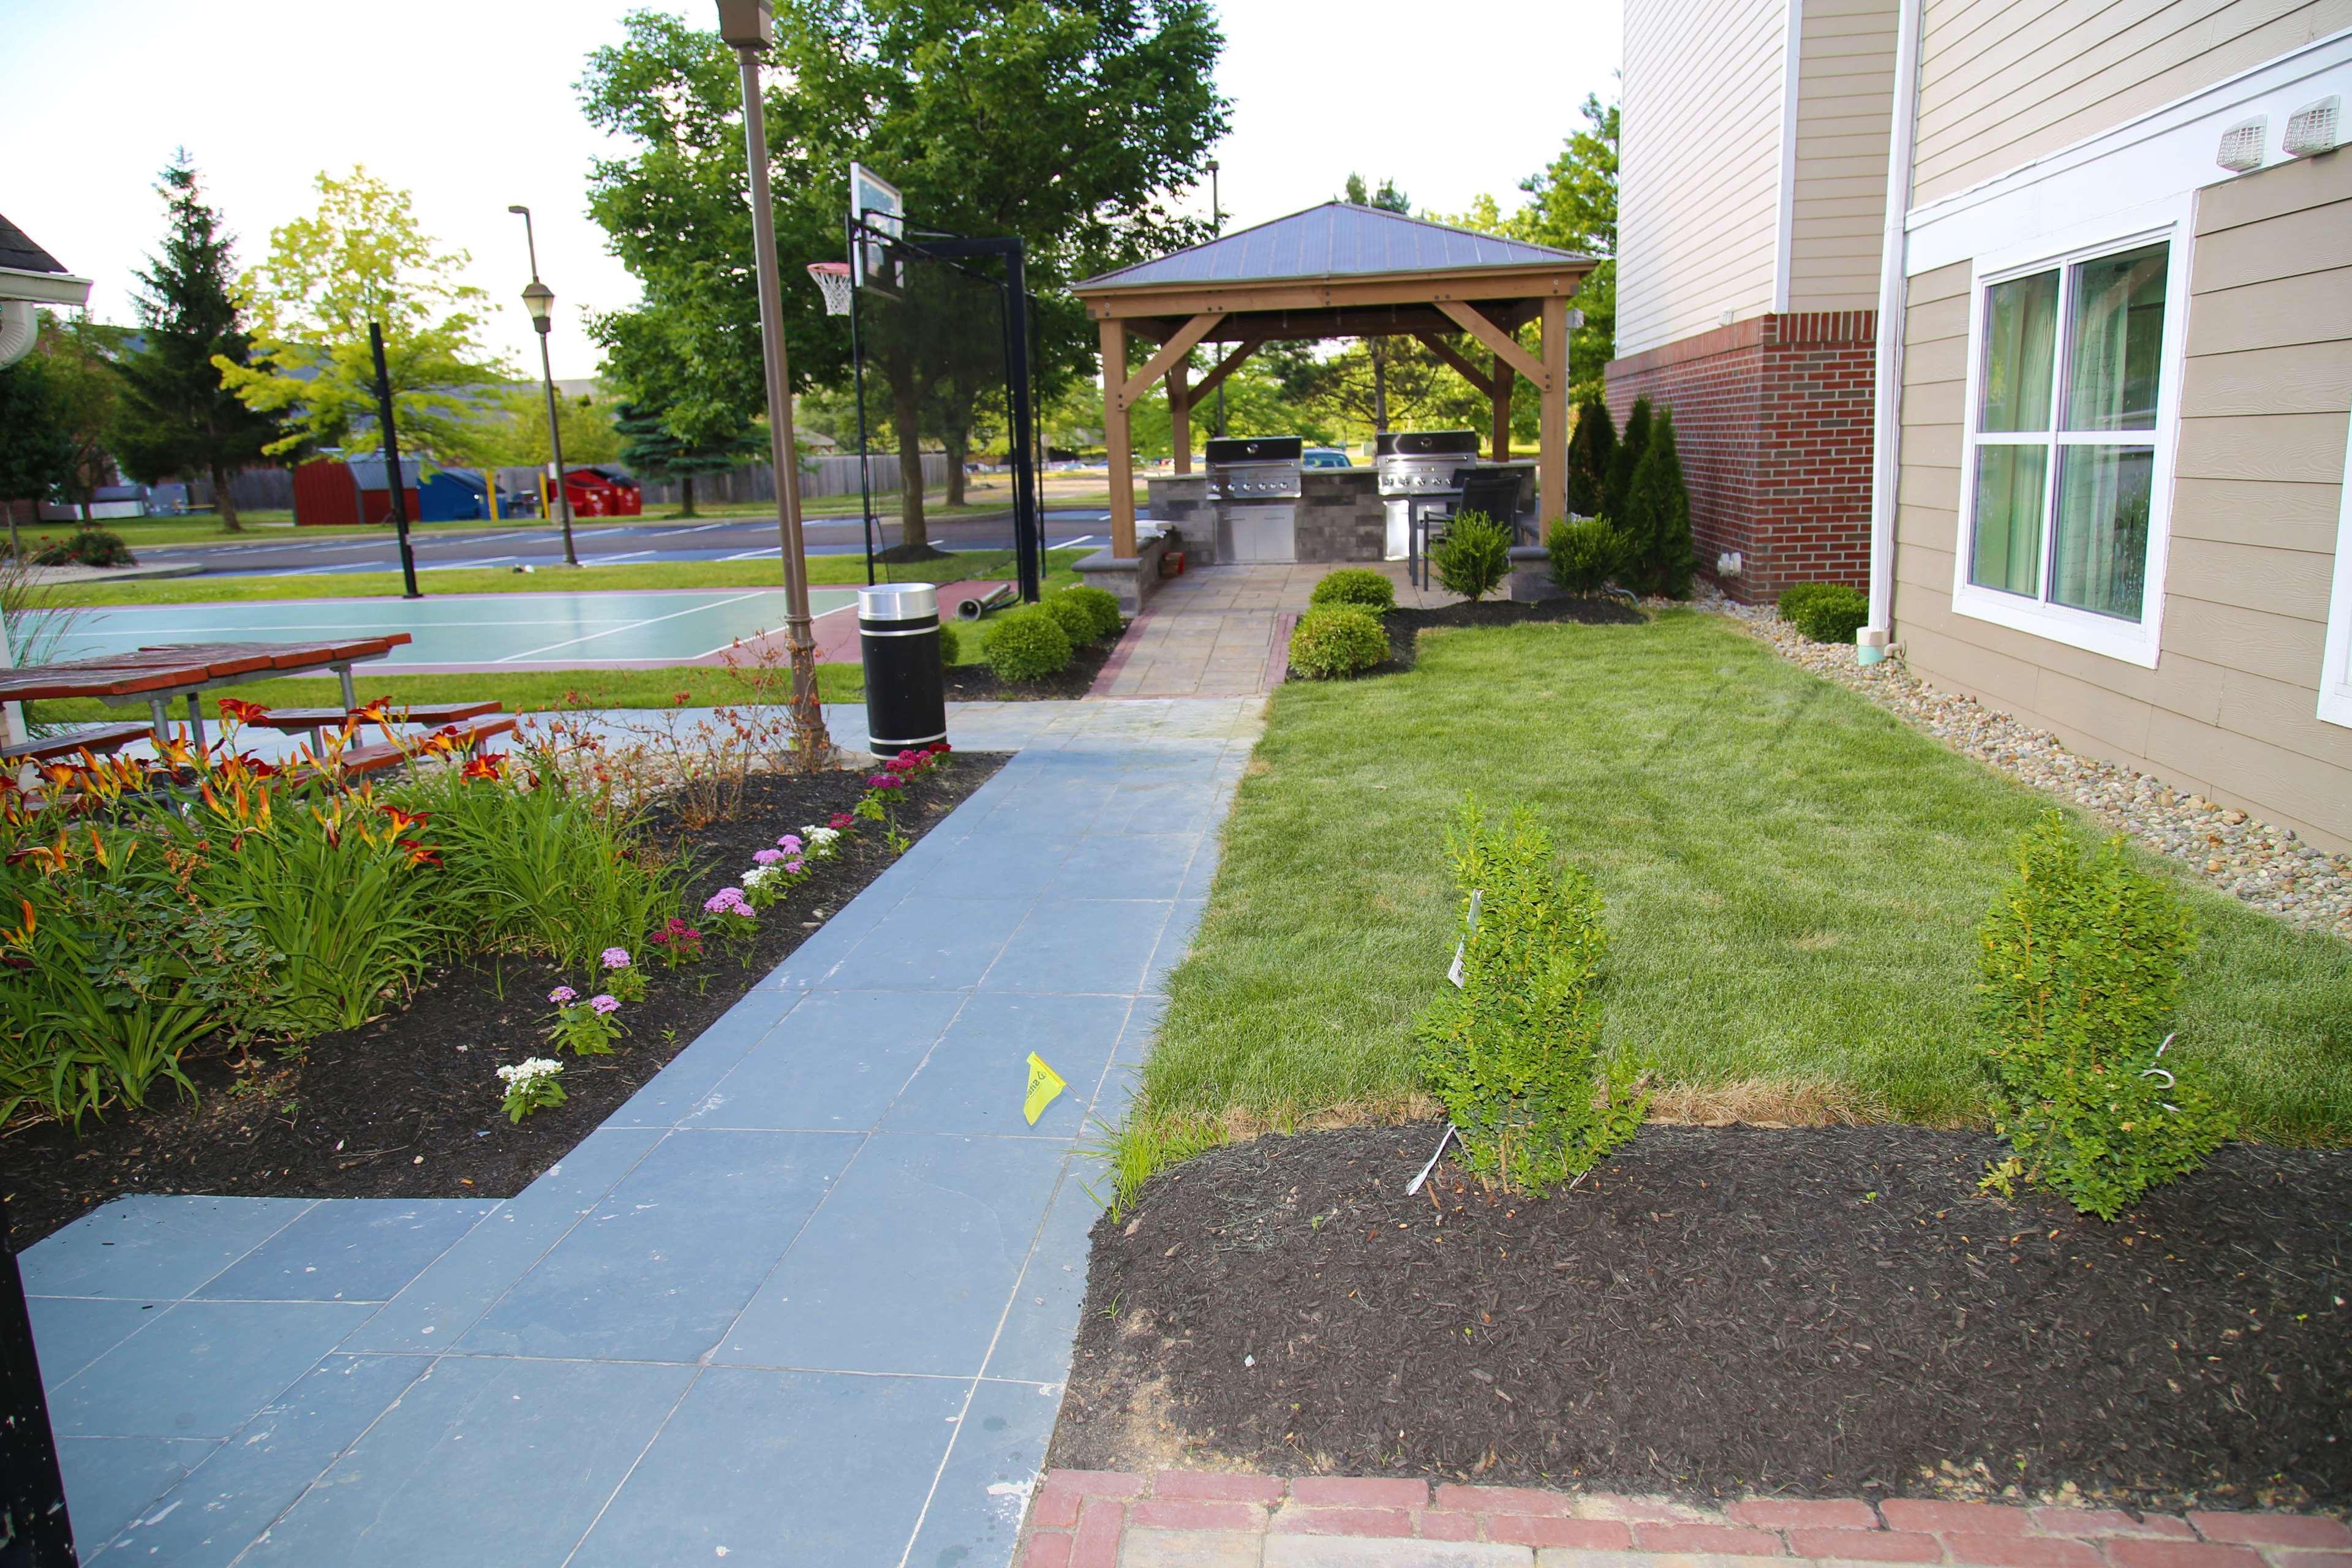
column 1772, row 415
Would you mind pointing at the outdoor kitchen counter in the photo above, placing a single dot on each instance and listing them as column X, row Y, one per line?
column 1337, row 517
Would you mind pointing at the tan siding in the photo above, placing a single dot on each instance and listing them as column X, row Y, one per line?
column 2001, row 84
column 1845, row 106
column 1698, row 211
column 2228, row 707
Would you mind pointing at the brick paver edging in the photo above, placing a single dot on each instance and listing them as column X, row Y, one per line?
column 1094, row 1518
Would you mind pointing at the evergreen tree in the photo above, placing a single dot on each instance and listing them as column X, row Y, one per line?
column 652, row 450
column 1657, row 515
column 1624, row 460
column 1590, row 450
column 174, row 418
column 36, row 455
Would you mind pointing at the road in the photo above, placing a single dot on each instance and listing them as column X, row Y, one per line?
column 602, row 544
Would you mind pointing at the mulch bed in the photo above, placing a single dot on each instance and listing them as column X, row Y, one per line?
column 1820, row 1311
column 1405, row 626
column 408, row 1106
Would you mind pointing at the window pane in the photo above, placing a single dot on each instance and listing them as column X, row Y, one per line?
column 2008, row 552
column 2099, row 558
column 2116, row 347
column 2021, row 333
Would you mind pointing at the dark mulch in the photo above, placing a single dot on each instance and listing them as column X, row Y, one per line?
column 1831, row 1311
column 1405, row 626
column 978, row 683
column 409, row 1106
column 903, row 554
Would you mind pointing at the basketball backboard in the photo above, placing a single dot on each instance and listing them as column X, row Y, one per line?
column 875, row 204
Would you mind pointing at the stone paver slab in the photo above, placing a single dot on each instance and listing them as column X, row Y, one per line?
column 71, row 1332
column 835, row 1064
column 360, row 1250
column 110, row 1479
column 974, row 1513
column 1100, row 946
column 976, row 1075
column 1036, row 1341
column 153, row 1249
column 1345, row 1552
column 201, row 1369
column 927, row 943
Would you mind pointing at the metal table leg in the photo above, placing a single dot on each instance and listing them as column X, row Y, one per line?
column 159, row 712
column 196, row 720
column 350, row 698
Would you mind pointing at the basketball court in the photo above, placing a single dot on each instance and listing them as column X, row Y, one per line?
column 640, row 629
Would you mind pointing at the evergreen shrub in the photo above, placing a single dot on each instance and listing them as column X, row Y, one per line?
column 1332, row 640
column 1028, row 644
column 1584, row 555
column 1825, row 612
column 1355, row 585
column 1473, row 557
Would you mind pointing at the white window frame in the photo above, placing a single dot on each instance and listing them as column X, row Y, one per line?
column 2336, row 664
column 2137, row 642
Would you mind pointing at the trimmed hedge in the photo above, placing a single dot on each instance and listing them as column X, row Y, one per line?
column 1474, row 557
column 1102, row 605
column 1584, row 554
column 1825, row 612
column 1077, row 622
column 1338, row 639
column 1028, row 644
column 950, row 643
column 1355, row 585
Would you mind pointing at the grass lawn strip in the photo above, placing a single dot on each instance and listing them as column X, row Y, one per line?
column 1715, row 1311
column 408, row 1106
column 1794, row 882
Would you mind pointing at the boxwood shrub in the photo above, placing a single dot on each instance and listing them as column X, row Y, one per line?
column 1102, row 605
column 1077, row 622
column 951, row 642
column 1028, row 644
column 1825, row 612
column 1355, row 585
column 1338, row 639
column 1473, row 557
column 1584, row 554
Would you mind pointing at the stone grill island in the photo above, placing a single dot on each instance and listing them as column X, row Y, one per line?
column 1338, row 270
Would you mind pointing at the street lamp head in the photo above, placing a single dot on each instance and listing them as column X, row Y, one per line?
column 747, row 23
column 519, row 207
column 1212, row 165
column 539, row 299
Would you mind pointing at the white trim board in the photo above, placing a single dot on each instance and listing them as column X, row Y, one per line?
column 2152, row 158
column 1793, row 71
column 2336, row 664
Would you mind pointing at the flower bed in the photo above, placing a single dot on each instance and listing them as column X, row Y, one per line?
column 407, row 1101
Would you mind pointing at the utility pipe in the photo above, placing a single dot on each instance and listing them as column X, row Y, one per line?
column 1894, row 291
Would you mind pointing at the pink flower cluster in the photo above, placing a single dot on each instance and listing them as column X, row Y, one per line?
column 562, row 995
column 603, row 1004
column 616, row 958
column 727, row 902
column 841, row 822
column 678, row 930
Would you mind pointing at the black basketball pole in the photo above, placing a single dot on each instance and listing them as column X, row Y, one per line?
column 857, row 368
column 392, row 462
column 1028, row 531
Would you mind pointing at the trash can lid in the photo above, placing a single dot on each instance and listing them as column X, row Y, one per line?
column 898, row 602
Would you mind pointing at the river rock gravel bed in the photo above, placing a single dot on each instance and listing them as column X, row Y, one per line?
column 2266, row 866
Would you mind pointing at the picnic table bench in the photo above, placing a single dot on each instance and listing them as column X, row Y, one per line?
column 103, row 741
column 158, row 676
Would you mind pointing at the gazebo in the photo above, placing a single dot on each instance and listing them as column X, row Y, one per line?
column 1338, row 270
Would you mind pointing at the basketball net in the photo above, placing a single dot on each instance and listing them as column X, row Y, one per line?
column 832, row 279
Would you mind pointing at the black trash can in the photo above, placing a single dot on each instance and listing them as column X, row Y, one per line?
column 906, row 688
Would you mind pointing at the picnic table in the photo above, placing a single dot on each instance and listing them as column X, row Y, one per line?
column 158, row 676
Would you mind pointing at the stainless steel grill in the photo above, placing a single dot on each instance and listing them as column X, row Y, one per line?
column 1415, row 463
column 1258, row 468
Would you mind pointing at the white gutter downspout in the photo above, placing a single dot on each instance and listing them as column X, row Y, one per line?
column 1893, row 293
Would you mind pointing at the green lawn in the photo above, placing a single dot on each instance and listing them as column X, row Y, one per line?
column 1793, row 878
column 836, row 571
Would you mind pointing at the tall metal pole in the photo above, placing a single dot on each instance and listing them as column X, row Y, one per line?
column 857, row 369
column 813, row 745
column 391, row 463
column 1217, row 226
column 542, row 300
column 1028, row 526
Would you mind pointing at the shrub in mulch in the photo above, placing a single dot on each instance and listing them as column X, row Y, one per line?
column 1404, row 626
column 1711, row 1311
column 410, row 1105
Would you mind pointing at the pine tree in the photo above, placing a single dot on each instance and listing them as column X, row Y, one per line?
column 1624, row 460
column 175, row 418
column 651, row 450
column 1657, row 515
column 1589, row 454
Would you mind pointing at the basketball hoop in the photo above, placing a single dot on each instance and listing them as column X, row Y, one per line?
column 832, row 278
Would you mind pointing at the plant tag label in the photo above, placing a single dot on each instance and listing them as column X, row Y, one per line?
column 1045, row 1086
column 1454, row 973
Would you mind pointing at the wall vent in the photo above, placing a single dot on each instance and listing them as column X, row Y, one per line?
column 2242, row 144
column 2312, row 129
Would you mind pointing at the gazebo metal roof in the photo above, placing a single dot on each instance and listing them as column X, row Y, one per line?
column 1338, row 239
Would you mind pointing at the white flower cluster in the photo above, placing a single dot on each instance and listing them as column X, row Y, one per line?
column 530, row 1070
column 820, row 840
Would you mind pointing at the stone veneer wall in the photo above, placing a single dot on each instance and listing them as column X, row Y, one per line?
column 1773, row 418
column 1339, row 516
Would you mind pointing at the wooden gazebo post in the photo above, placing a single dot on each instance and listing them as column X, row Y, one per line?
column 1499, row 390
column 1180, row 415
column 1552, row 475
column 1115, row 438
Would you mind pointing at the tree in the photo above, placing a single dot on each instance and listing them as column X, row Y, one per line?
column 1065, row 123
column 1589, row 451
column 652, row 450
column 85, row 388
column 175, row 417
column 36, row 455
column 589, row 434
column 1632, row 442
column 1657, row 516
column 363, row 258
column 1378, row 352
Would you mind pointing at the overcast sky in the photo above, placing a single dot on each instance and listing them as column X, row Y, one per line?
column 469, row 104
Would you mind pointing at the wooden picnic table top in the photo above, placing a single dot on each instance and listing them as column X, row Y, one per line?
column 178, row 666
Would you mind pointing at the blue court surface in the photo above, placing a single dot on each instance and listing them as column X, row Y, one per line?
column 472, row 631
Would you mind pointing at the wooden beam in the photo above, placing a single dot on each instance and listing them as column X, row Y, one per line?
column 1478, row 379
column 1180, row 416
column 1506, row 347
column 1552, row 457
column 1132, row 391
column 1500, row 396
column 1225, row 367
column 1401, row 289
column 1115, row 438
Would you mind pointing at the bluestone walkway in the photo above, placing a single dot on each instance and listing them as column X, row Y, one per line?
column 809, row 1298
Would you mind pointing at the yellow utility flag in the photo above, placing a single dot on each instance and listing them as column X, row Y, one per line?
column 1045, row 1086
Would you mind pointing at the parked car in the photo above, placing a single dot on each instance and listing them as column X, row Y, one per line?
column 1324, row 458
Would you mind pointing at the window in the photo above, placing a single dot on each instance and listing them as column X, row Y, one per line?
column 2070, row 379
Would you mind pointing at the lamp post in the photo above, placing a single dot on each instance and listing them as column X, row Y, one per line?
column 1217, row 226
column 539, row 300
column 749, row 28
